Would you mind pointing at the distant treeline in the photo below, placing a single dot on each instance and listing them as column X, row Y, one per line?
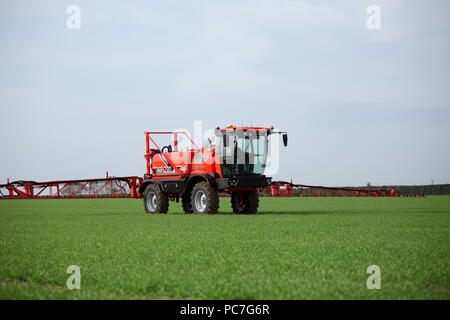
column 429, row 189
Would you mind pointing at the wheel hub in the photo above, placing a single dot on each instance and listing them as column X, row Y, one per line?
column 200, row 201
column 151, row 201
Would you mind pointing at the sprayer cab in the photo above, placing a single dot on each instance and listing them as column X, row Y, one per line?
column 244, row 150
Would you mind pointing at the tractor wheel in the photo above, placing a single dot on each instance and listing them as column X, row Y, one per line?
column 186, row 203
column 204, row 198
column 155, row 201
column 245, row 202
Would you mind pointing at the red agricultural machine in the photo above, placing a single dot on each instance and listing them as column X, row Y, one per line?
column 234, row 166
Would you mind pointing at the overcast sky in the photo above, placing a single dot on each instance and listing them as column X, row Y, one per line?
column 360, row 105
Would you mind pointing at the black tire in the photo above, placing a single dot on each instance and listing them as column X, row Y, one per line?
column 155, row 201
column 245, row 202
column 204, row 199
column 186, row 203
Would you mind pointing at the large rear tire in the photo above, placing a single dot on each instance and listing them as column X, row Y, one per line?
column 155, row 201
column 204, row 199
column 245, row 202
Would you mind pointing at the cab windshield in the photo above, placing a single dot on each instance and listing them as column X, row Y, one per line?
column 243, row 152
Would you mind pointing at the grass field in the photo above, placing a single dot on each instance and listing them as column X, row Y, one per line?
column 295, row 248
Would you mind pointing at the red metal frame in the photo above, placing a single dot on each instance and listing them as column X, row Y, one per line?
column 148, row 150
column 289, row 189
column 111, row 187
column 149, row 153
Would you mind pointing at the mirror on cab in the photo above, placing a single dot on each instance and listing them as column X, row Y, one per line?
column 285, row 139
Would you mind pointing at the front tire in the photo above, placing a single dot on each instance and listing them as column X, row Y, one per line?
column 204, row 199
column 155, row 201
column 245, row 202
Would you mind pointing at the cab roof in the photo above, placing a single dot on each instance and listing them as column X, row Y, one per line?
column 234, row 128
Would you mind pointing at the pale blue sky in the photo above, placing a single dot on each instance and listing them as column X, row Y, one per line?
column 359, row 105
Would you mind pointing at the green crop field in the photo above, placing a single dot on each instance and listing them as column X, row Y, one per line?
column 295, row 248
